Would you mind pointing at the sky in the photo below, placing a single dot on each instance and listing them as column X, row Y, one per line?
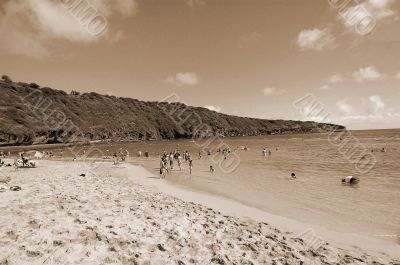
column 248, row 58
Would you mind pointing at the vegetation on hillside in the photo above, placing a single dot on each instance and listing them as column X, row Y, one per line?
column 30, row 114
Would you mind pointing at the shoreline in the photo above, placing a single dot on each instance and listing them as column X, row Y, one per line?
column 72, row 210
column 231, row 206
column 9, row 146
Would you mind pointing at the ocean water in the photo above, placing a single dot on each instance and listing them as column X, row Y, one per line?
column 316, row 196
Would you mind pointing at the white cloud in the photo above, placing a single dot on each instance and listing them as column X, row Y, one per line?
column 324, row 87
column 248, row 39
column 126, row 8
column 376, row 103
column 373, row 113
column 364, row 16
column 369, row 73
column 213, row 108
column 315, row 39
column 184, row 79
column 344, row 108
column 195, row 3
column 381, row 8
column 334, row 79
column 32, row 26
column 272, row 91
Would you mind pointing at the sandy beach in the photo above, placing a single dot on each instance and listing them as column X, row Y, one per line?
column 199, row 132
column 68, row 214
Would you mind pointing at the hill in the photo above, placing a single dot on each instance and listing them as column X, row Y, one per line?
column 30, row 114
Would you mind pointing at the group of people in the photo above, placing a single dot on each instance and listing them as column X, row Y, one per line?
column 225, row 152
column 167, row 161
column 146, row 154
column 120, row 154
column 266, row 153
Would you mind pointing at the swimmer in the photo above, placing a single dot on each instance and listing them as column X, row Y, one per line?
column 350, row 180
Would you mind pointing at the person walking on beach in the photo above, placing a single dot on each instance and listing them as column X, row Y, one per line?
column 163, row 168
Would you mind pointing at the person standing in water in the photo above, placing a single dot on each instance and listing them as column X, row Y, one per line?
column 171, row 161
column 190, row 166
column 179, row 162
column 264, row 152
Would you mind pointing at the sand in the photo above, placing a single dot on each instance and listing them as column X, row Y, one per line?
column 125, row 215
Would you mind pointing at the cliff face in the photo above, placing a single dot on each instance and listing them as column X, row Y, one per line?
column 33, row 115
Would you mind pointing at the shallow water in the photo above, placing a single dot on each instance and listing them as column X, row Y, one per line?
column 317, row 196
